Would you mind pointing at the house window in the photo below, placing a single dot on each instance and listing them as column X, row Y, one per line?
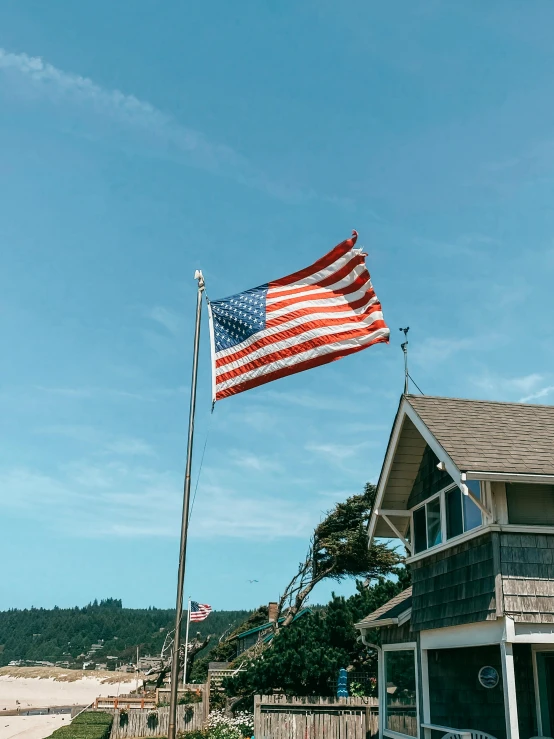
column 460, row 515
column 427, row 525
column 400, row 691
column 461, row 512
column 530, row 505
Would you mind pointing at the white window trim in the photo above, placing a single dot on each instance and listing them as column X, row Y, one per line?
column 480, row 531
column 466, row 536
column 416, row 508
column 403, row 646
column 444, row 540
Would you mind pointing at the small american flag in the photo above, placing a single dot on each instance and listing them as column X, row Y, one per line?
column 199, row 611
column 312, row 317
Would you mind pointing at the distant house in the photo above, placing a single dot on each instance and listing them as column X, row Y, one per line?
column 468, row 488
column 263, row 633
column 148, row 662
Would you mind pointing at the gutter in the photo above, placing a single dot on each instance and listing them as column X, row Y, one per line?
column 397, row 621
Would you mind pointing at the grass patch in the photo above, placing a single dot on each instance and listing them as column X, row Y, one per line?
column 88, row 725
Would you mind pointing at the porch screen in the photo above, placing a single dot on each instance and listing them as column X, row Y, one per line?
column 530, row 505
column 400, row 691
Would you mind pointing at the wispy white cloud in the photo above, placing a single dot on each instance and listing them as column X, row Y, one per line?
column 467, row 245
column 129, row 446
column 524, row 388
column 166, row 318
column 538, row 394
column 68, row 392
column 79, row 432
column 118, row 499
column 224, row 513
column 434, row 350
column 337, row 453
column 91, row 392
column 159, row 132
column 99, row 440
column 257, row 462
column 313, row 401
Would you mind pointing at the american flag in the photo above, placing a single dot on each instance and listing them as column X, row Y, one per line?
column 199, row 611
column 312, row 317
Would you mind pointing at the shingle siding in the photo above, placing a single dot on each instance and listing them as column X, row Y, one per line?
column 527, row 568
column 455, row 586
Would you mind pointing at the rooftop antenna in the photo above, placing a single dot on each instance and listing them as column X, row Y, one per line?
column 404, row 347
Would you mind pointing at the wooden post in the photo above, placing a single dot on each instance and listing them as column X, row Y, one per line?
column 206, row 701
column 509, row 684
column 257, row 716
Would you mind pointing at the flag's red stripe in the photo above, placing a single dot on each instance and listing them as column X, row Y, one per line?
column 308, row 364
column 275, row 293
column 353, row 287
column 296, row 331
column 313, row 343
column 331, row 280
column 368, row 295
column 341, row 310
column 343, row 272
column 322, row 263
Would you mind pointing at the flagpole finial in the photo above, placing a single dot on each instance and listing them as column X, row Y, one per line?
column 200, row 277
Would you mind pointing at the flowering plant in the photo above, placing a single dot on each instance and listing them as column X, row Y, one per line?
column 221, row 726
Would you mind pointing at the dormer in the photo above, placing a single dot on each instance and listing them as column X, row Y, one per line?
column 455, row 468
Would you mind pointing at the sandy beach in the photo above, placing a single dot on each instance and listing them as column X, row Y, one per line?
column 30, row 727
column 58, row 687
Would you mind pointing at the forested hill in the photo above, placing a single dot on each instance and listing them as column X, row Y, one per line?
column 67, row 634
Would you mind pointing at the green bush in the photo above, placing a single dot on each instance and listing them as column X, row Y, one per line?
column 88, row 725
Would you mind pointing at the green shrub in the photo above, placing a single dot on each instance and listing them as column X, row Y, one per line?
column 88, row 725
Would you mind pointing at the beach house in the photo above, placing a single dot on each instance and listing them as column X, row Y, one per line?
column 467, row 487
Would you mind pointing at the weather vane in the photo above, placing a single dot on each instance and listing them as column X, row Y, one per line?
column 404, row 347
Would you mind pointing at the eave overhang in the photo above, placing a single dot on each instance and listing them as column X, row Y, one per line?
column 405, row 449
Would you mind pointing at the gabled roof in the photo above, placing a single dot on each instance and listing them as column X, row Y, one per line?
column 395, row 612
column 490, row 436
column 480, row 438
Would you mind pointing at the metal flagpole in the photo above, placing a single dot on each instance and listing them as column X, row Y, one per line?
column 186, row 646
column 185, row 517
column 404, row 348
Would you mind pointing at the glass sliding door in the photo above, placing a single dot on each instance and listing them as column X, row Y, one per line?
column 400, row 691
column 545, row 685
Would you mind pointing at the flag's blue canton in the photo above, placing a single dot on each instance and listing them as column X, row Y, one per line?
column 238, row 317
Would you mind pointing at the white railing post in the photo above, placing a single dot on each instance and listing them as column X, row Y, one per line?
column 509, row 685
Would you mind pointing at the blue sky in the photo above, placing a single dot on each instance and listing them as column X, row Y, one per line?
column 141, row 141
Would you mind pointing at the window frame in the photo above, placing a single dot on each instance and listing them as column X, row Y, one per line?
column 442, row 495
column 402, row 647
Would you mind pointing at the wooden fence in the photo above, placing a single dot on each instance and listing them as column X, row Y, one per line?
column 130, row 702
column 286, row 717
column 148, row 723
column 202, row 690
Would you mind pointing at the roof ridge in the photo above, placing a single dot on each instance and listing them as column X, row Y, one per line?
column 409, row 397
